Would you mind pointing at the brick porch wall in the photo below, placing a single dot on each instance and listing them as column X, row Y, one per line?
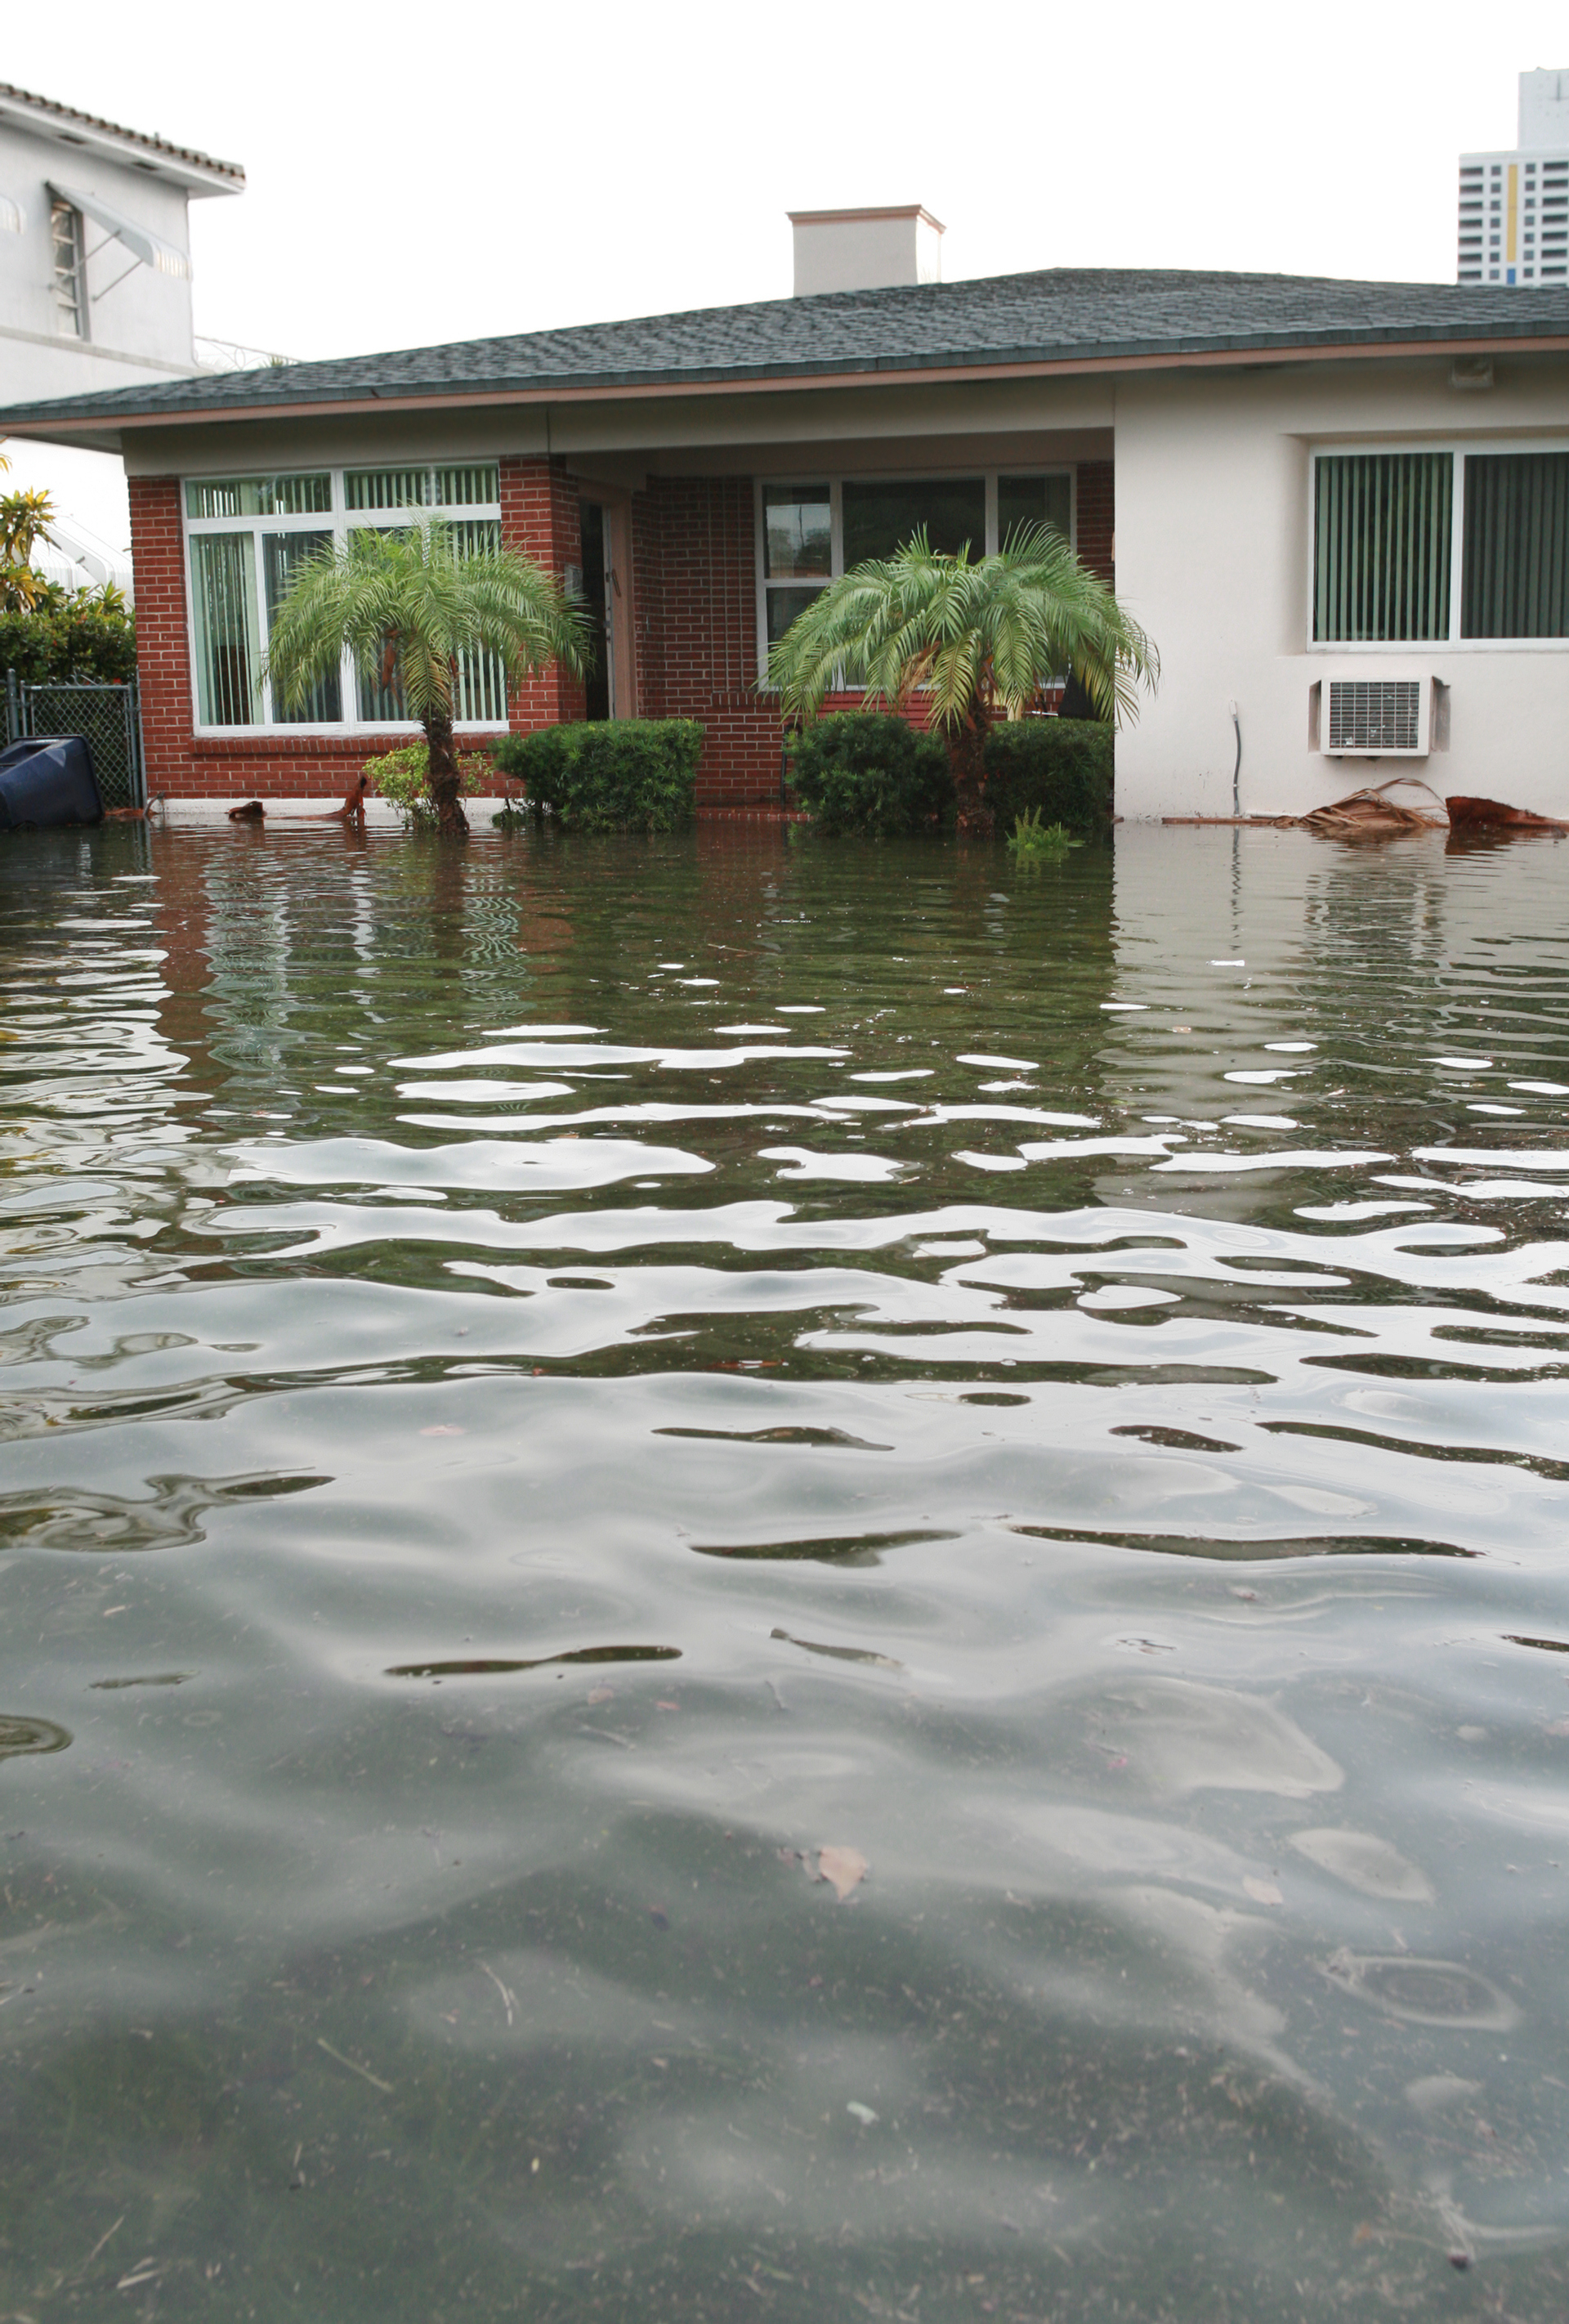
column 694, row 549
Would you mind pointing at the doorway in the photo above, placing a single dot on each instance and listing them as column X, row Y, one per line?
column 600, row 688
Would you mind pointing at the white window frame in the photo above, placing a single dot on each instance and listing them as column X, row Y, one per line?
column 1458, row 447
column 800, row 478
column 339, row 522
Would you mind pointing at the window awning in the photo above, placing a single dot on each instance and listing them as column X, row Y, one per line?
column 162, row 255
column 12, row 219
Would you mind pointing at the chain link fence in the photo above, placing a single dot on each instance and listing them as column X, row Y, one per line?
column 110, row 717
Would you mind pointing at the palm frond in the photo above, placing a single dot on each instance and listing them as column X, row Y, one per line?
column 414, row 592
column 981, row 638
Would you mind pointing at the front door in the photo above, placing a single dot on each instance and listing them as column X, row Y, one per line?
column 599, row 603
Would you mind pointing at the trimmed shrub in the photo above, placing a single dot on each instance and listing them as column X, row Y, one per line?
column 1059, row 767
column 612, row 774
column 867, row 770
column 402, row 777
column 72, row 636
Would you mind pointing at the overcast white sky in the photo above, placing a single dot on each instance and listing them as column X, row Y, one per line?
column 419, row 173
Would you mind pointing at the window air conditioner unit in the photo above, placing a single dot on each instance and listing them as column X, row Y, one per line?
column 1377, row 718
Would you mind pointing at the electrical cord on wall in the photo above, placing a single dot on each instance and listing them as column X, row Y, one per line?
column 1236, row 770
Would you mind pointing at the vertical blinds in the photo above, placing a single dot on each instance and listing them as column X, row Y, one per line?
column 1515, row 565
column 284, row 553
column 227, row 643
column 1382, row 545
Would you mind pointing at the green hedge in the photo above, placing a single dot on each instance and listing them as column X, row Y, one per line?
column 1060, row 766
column 72, row 635
column 867, row 770
column 616, row 774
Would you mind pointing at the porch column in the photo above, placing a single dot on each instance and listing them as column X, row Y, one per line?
column 540, row 518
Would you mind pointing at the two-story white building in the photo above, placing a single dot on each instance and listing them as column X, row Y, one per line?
column 95, row 284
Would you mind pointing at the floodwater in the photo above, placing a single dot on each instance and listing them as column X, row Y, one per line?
column 748, row 1578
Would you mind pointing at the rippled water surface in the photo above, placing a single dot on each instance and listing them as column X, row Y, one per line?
column 753, row 1579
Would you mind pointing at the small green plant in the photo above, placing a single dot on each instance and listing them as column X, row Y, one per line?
column 402, row 777
column 1034, row 841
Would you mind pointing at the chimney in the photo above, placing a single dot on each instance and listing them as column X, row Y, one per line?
column 865, row 250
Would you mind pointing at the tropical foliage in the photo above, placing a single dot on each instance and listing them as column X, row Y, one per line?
column 871, row 772
column 24, row 520
column 70, row 635
column 623, row 774
column 411, row 605
column 979, row 640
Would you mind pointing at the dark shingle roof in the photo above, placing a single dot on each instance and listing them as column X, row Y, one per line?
column 1065, row 314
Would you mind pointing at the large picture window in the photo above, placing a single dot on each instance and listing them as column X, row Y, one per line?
column 1440, row 546
column 247, row 537
column 809, row 533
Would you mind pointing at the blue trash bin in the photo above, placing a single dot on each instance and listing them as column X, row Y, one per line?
column 48, row 779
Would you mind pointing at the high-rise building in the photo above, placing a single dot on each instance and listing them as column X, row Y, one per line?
column 1514, row 205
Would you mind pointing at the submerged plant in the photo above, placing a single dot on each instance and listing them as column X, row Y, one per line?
column 402, row 778
column 1034, row 841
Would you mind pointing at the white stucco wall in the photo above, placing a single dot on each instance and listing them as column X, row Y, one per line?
column 140, row 328
column 1212, row 555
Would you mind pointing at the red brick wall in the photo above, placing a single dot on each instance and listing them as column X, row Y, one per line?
column 694, row 606
column 539, row 514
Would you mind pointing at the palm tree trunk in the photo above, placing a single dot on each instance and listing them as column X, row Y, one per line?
column 968, row 751
column 445, row 781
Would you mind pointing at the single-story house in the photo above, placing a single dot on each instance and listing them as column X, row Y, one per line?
column 1340, row 509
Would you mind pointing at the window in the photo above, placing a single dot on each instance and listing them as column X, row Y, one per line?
column 881, row 516
column 797, row 551
column 70, row 272
column 809, row 533
column 1381, row 529
column 1515, row 570
column 247, row 536
column 1443, row 546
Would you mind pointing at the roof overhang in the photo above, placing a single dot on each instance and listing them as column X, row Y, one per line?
column 104, row 431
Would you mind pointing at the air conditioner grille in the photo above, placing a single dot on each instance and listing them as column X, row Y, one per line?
column 1375, row 713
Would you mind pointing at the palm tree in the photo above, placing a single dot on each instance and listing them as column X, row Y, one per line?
column 410, row 604
column 978, row 641
column 24, row 520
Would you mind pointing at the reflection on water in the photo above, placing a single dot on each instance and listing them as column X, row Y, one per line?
column 553, row 1390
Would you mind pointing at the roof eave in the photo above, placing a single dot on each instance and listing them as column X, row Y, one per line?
column 199, row 174
column 66, row 421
